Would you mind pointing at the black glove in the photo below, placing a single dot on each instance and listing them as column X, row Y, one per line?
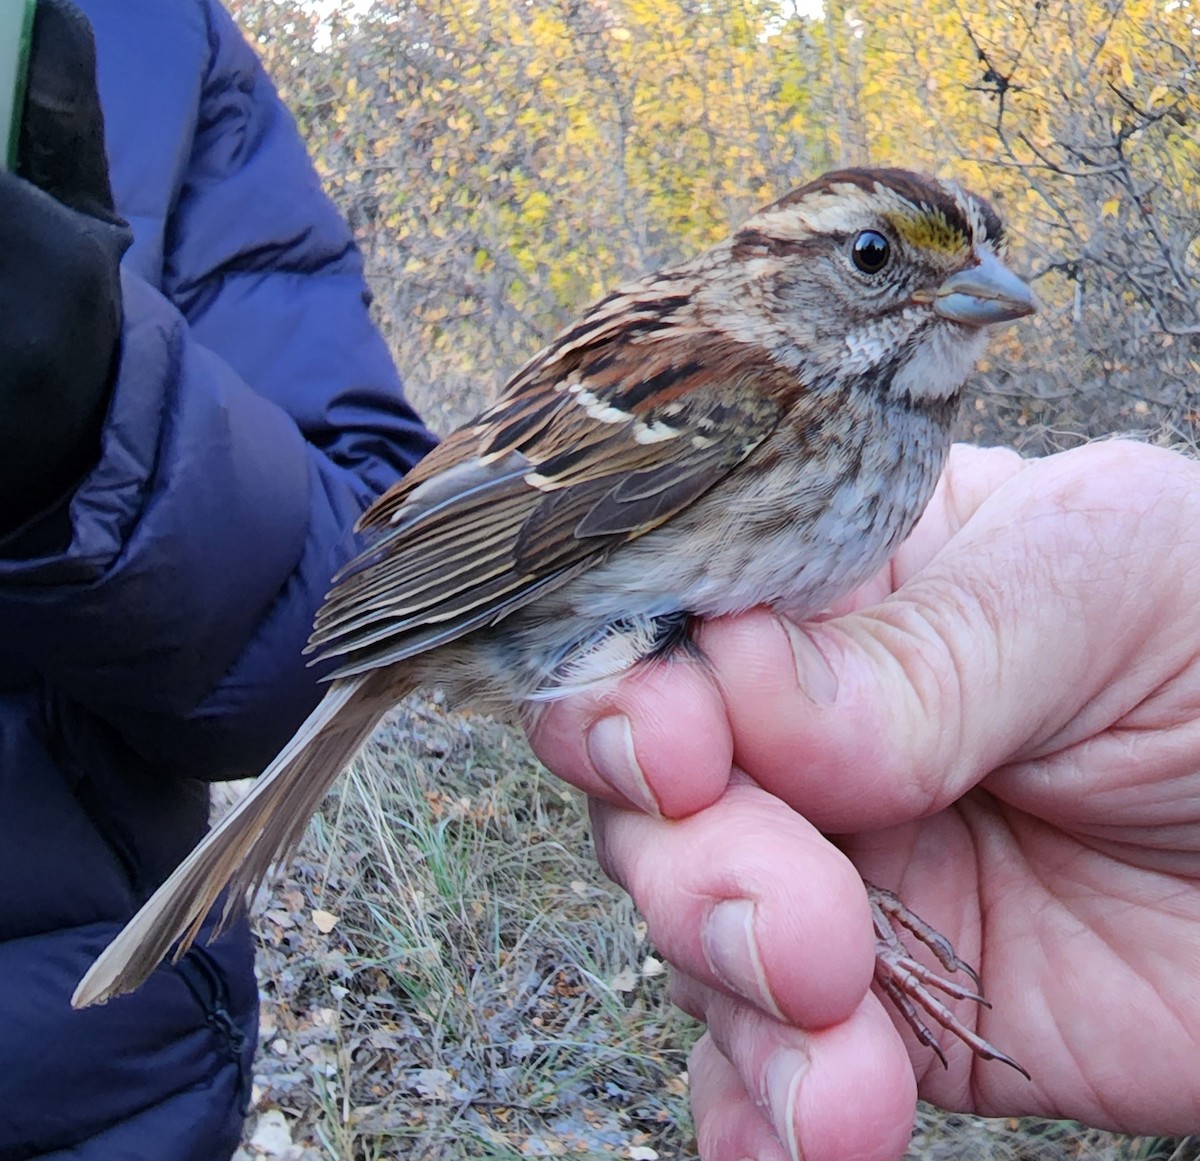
column 60, row 294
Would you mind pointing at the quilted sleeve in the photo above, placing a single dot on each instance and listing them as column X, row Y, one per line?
column 255, row 412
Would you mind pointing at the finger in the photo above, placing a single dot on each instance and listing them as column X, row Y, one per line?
column 657, row 740
column 845, row 1091
column 62, row 130
column 729, row 1125
column 1058, row 605
column 749, row 898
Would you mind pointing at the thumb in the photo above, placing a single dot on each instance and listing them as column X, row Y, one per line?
column 1055, row 604
column 62, row 129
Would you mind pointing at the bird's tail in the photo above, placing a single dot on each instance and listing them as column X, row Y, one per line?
column 260, row 831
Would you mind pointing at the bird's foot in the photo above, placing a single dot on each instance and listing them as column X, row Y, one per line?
column 911, row 986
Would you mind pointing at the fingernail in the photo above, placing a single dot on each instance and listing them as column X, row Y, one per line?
column 610, row 747
column 813, row 671
column 781, row 1083
column 731, row 949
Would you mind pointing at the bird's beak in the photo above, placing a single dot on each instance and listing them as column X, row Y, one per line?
column 983, row 294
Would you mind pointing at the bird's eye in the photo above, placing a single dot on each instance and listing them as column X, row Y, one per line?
column 871, row 251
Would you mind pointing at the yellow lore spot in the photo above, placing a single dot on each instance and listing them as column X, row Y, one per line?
column 928, row 230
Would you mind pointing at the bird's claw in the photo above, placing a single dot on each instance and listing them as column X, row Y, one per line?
column 910, row 985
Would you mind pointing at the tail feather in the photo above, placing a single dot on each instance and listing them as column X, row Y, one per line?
column 260, row 831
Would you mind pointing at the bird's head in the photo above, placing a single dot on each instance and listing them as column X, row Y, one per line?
column 886, row 276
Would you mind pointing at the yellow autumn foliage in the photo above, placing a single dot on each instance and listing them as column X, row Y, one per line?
column 505, row 161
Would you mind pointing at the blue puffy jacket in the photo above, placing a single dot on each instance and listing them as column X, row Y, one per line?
column 255, row 413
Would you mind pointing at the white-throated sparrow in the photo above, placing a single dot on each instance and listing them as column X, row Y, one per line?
column 760, row 425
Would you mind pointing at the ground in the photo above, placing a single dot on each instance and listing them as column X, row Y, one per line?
column 445, row 974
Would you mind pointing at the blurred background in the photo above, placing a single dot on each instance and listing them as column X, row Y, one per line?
column 506, row 161
column 445, row 974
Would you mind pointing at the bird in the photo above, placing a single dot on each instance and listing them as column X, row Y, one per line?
column 760, row 425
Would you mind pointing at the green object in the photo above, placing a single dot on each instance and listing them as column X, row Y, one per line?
column 16, row 30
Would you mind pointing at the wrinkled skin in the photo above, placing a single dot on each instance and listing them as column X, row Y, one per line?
column 1005, row 729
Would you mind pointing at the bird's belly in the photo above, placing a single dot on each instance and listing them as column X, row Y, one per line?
column 795, row 537
column 796, row 548
column 723, row 566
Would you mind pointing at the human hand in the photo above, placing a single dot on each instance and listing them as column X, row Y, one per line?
column 1009, row 739
column 61, row 241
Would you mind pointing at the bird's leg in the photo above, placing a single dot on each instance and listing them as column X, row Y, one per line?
column 904, row 980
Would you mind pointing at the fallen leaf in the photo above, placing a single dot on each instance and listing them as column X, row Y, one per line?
column 538, row 1146
column 433, row 1083
column 325, row 1018
column 272, row 1135
column 325, row 921
column 624, row 981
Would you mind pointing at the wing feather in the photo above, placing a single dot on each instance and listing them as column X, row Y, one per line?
column 592, row 444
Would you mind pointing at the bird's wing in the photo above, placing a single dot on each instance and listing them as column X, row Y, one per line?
column 587, row 449
column 546, row 482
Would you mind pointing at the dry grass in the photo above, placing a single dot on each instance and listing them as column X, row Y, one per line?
column 484, row 992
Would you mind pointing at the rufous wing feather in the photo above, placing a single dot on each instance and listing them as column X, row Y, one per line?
column 491, row 534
